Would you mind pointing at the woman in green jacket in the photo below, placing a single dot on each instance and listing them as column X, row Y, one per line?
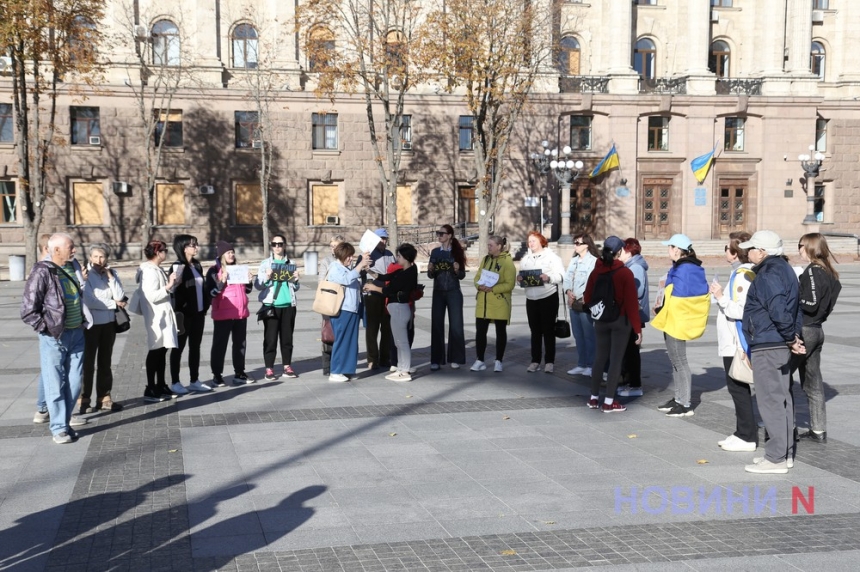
column 495, row 282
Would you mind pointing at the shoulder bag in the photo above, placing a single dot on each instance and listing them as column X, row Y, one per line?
column 329, row 298
column 741, row 368
column 122, row 320
column 562, row 326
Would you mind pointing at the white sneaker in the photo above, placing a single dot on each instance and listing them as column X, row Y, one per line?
column 587, row 372
column 736, row 444
column 533, row 367
column 198, row 387
column 576, row 371
column 548, row 368
column 726, row 440
column 399, row 376
column 478, row 366
column 455, row 365
column 393, row 368
column 789, row 461
column 498, row 367
column 178, row 389
column 338, row 378
column 765, row 467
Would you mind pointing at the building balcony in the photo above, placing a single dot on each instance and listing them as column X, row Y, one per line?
column 739, row 86
column 583, row 84
column 670, row 85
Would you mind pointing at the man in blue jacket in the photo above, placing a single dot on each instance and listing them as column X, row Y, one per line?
column 773, row 326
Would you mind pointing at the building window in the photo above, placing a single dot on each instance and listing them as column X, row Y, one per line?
column 818, row 205
column 723, row 3
column 734, row 134
column 325, row 204
column 7, row 123
column 165, row 43
column 821, row 135
column 244, row 40
column 719, row 60
column 168, row 124
column 395, row 51
column 644, row 57
column 468, row 205
column 247, row 129
column 169, row 204
column 10, row 202
column 820, row 4
column 324, row 131
column 88, row 204
column 249, row 204
column 82, row 40
column 466, row 133
column 817, row 60
column 85, row 124
column 580, row 132
column 658, row 133
column 568, row 56
column 405, row 140
column 320, row 48
column 404, row 204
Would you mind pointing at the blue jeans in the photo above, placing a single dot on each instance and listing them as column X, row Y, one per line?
column 586, row 341
column 62, row 363
column 344, row 352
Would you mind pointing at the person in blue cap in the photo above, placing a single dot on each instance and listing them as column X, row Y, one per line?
column 682, row 316
column 378, row 326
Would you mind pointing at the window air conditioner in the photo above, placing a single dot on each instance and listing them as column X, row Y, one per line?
column 120, row 187
column 332, row 219
column 817, row 17
column 95, row 140
column 406, row 145
column 257, row 144
column 715, row 16
column 207, row 190
column 140, row 32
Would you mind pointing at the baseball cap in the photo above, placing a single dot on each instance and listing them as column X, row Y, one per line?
column 764, row 239
column 614, row 244
column 681, row 241
column 381, row 233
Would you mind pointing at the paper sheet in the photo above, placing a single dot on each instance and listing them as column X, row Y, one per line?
column 238, row 274
column 368, row 242
column 488, row 278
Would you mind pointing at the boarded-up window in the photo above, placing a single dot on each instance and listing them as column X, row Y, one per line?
column 169, row 204
column 404, row 204
column 324, row 203
column 249, row 204
column 89, row 203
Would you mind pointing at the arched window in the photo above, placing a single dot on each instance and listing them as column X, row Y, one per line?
column 817, row 60
column 644, row 58
column 165, row 44
column 395, row 50
column 320, row 48
column 244, row 40
column 719, row 60
column 568, row 56
column 82, row 40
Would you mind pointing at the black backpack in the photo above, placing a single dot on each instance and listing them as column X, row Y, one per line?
column 603, row 306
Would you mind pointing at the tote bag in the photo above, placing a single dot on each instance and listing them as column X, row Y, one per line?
column 329, row 298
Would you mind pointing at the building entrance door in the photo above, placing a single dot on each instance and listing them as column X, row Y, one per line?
column 731, row 211
column 655, row 208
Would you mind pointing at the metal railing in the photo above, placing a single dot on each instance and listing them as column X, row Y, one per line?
column 583, row 84
column 739, row 86
column 673, row 85
column 845, row 235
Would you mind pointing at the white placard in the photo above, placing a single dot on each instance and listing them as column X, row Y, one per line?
column 488, row 278
column 368, row 242
column 238, row 274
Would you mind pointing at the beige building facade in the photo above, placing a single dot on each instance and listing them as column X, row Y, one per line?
column 665, row 81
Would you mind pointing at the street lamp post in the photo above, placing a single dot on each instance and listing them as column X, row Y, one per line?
column 565, row 171
column 811, row 166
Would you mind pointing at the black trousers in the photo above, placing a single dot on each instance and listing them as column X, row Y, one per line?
column 156, row 362
column 378, row 320
column 98, row 349
column 542, row 314
column 746, row 427
column 482, row 325
column 611, row 341
column 223, row 330
column 452, row 302
column 281, row 326
column 193, row 336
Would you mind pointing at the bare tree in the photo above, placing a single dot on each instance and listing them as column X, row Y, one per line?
column 53, row 50
column 493, row 52
column 369, row 47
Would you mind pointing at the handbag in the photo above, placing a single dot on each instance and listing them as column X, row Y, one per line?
column 577, row 305
column 122, row 321
column 329, row 298
column 267, row 311
column 327, row 331
column 562, row 327
column 741, row 369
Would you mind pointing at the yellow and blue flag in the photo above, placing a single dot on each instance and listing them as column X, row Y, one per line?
column 701, row 165
column 609, row 162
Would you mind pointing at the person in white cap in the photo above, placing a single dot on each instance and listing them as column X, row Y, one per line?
column 377, row 335
column 772, row 325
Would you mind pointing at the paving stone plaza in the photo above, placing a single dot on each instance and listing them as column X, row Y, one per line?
column 456, row 471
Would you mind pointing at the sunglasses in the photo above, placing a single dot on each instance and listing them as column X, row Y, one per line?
column 277, row 244
column 578, row 243
column 440, row 233
column 726, row 248
column 800, row 245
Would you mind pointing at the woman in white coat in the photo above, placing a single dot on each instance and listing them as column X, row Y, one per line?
column 541, row 298
column 158, row 319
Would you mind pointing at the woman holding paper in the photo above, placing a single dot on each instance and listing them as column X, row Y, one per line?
column 447, row 268
column 229, row 315
column 278, row 280
column 541, row 271
column 344, row 353
column 495, row 281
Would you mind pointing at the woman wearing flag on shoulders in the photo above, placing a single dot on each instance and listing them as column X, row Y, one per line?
column 682, row 316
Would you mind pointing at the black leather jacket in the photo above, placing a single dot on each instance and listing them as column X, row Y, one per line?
column 446, row 279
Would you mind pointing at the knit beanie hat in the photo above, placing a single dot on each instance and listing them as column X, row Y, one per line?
column 222, row 247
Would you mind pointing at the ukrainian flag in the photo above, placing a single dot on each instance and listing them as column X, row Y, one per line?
column 701, row 165
column 609, row 162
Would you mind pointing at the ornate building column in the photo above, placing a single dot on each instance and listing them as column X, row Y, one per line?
column 619, row 17
column 769, row 47
column 698, row 36
column 799, row 36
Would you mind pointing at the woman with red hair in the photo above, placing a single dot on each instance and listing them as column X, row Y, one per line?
column 541, row 271
column 447, row 268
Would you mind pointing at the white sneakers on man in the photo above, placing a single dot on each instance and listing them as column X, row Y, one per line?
column 178, row 389
column 498, row 367
column 736, row 444
column 478, row 366
column 197, row 386
column 576, row 371
column 533, row 367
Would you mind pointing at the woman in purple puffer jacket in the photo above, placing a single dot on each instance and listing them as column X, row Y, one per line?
column 229, row 316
